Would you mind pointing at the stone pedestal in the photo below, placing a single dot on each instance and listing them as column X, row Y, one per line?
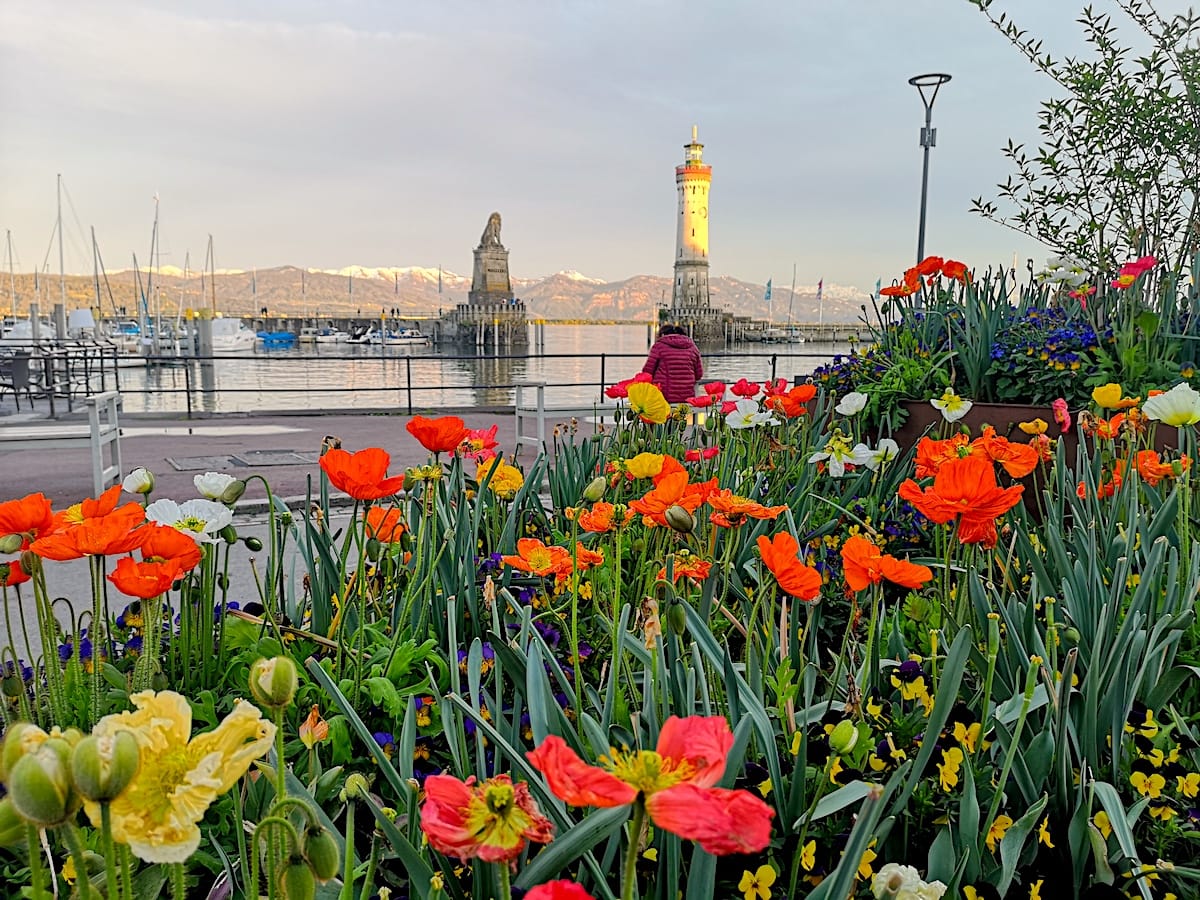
column 490, row 283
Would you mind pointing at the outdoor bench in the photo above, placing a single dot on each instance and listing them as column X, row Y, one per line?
column 101, row 431
column 532, row 414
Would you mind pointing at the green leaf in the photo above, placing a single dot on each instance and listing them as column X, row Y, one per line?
column 836, row 801
column 1013, row 842
column 1110, row 800
column 419, row 872
column 571, row 844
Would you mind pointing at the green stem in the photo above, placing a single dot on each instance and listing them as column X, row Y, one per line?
column 870, row 670
column 126, row 873
column 35, row 863
column 240, row 829
column 505, row 883
column 629, row 878
column 75, row 846
column 99, row 633
column 178, row 887
column 368, row 883
column 110, row 869
column 280, row 768
column 1014, row 746
column 348, row 876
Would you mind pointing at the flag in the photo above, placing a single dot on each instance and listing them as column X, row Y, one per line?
column 351, row 291
column 254, row 282
column 767, row 295
column 878, row 286
column 397, row 282
column 439, row 279
column 820, row 287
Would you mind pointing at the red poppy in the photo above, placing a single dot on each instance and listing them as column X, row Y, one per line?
column 965, row 488
column 536, row 558
column 929, row 266
column 675, row 781
column 15, row 574
column 490, row 821
column 744, row 388
column 103, row 535
column 144, row 579
column 791, row 403
column 732, row 510
column 728, row 406
column 715, row 389
column 362, row 475
column 703, row 401
column 698, row 455
column 781, row 555
column 166, row 544
column 1108, row 485
column 480, row 444
column 620, row 390
column 441, row 435
column 952, row 268
column 28, row 517
column 864, row 564
column 584, row 560
column 910, row 285
column 385, row 525
column 558, row 890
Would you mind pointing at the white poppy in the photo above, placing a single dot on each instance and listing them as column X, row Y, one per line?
column 885, row 452
column 1179, row 406
column 837, row 454
column 851, row 404
column 952, row 406
column 199, row 519
column 213, row 484
column 745, row 414
column 139, row 481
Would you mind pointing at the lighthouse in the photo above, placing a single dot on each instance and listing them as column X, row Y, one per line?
column 690, row 306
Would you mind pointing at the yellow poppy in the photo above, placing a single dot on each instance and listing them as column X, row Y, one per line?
column 648, row 402
column 645, row 465
column 180, row 776
column 1037, row 426
column 1107, row 396
column 1044, row 832
column 505, row 480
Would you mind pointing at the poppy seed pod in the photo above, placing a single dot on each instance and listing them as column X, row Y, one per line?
column 40, row 785
column 296, row 881
column 321, row 851
column 356, row 787
column 677, row 618
column 595, row 489
column 229, row 534
column 233, row 493
column 12, row 686
column 273, row 682
column 680, row 519
column 373, row 549
column 103, row 766
column 843, row 737
column 253, row 544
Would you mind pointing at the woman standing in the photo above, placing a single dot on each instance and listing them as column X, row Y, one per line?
column 674, row 364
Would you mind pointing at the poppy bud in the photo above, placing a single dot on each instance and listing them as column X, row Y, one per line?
column 253, row 544
column 12, row 827
column 296, row 881
column 273, row 682
column 40, row 786
column 222, row 581
column 139, row 481
column 21, row 738
column 158, row 682
column 12, row 686
column 639, row 545
column 229, row 534
column 1071, row 636
column 321, row 851
column 373, row 549
column 677, row 618
column 680, row 519
column 595, row 489
column 103, row 766
column 356, row 786
column 285, row 518
column 843, row 737
column 30, row 562
column 10, row 543
column 233, row 493
column 993, row 638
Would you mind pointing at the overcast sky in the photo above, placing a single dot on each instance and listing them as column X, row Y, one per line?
column 383, row 132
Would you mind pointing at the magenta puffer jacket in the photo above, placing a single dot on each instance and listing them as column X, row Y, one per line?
column 674, row 365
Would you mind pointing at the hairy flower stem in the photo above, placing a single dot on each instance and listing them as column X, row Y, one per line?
column 505, row 883
column 1014, row 747
column 575, row 661
column 240, row 831
column 110, row 857
column 629, row 877
column 75, row 847
column 262, row 828
column 126, row 872
column 280, row 766
column 99, row 635
column 348, row 875
column 870, row 670
column 178, row 888
column 35, row 863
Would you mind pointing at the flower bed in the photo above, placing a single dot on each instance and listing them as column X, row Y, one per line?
column 764, row 656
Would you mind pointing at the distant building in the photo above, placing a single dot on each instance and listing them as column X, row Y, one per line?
column 492, row 318
column 690, row 302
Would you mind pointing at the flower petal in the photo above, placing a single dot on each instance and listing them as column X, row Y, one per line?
column 574, row 781
column 721, row 821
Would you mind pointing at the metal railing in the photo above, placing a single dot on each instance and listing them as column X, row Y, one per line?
column 66, row 372
column 200, row 374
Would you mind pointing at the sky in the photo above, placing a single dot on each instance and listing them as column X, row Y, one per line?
column 384, row 132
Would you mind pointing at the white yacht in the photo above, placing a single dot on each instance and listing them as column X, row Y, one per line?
column 232, row 336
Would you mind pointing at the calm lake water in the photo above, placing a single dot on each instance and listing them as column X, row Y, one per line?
column 351, row 377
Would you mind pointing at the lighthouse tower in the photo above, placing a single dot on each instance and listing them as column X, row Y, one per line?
column 689, row 294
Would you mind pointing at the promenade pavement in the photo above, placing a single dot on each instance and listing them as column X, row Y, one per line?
column 283, row 448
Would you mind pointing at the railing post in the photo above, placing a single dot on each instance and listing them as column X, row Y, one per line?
column 187, row 387
column 774, row 359
column 603, row 360
column 408, row 381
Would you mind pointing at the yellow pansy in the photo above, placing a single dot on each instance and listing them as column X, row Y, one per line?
column 1165, row 812
column 948, row 768
column 68, row 870
column 757, row 884
column 180, row 776
column 967, row 735
column 999, row 828
column 1100, row 820
column 765, row 787
column 864, row 864
column 1189, row 784
column 1107, row 396
column 505, row 480
column 1035, row 890
column 1044, row 832
column 808, row 856
column 1037, row 426
column 1148, row 785
column 645, row 465
column 648, row 402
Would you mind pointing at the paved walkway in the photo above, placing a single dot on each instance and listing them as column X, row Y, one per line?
column 282, row 448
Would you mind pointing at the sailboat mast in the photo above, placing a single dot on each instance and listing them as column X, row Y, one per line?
column 96, row 272
column 212, row 276
column 62, row 266
column 791, row 296
column 12, row 281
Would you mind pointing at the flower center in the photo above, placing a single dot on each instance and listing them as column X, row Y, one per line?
column 646, row 770
column 192, row 523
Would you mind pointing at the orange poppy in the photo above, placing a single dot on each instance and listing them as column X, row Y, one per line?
column 1105, row 429
column 932, row 454
column 101, row 535
column 965, row 488
column 584, row 560
column 536, row 558
column 791, row 403
column 490, row 821
column 28, row 517
column 686, row 566
column 670, row 466
column 144, row 579
column 669, row 490
column 166, row 544
column 14, row 575
column 1153, row 469
column 441, row 435
column 1018, row 460
column 603, row 517
column 910, row 285
column 676, row 781
column 930, row 265
column 952, row 268
column 781, row 555
column 732, row 510
column 385, row 525
column 1108, row 485
column 864, row 564
column 362, row 475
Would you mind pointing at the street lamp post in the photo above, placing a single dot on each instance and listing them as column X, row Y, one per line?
column 931, row 83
